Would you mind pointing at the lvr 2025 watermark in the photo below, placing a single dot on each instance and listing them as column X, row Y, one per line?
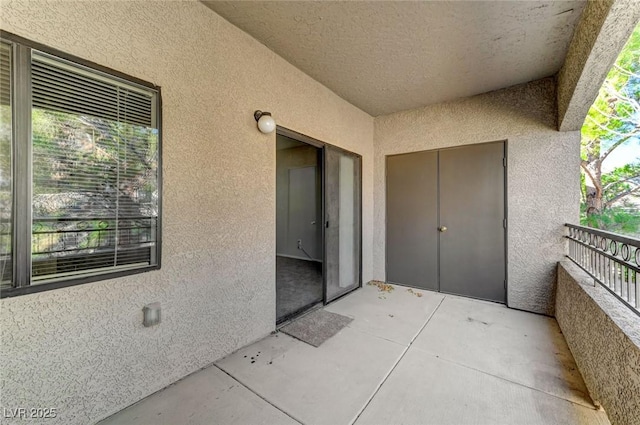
column 30, row 413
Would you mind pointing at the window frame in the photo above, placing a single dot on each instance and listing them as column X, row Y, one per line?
column 22, row 175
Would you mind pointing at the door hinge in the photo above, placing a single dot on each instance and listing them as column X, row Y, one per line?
column 504, row 223
column 504, row 162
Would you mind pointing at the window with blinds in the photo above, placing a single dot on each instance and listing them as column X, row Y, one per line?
column 6, row 168
column 93, row 168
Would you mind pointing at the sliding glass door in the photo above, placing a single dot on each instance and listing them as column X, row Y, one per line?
column 342, row 222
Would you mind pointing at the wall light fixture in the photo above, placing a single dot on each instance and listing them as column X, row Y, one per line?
column 266, row 123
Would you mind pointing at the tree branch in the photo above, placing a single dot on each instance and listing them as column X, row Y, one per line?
column 626, row 71
column 584, row 164
column 611, row 117
column 620, row 181
column 620, row 96
column 621, row 195
column 618, row 143
column 607, row 129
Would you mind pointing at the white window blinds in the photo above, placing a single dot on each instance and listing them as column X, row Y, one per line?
column 63, row 88
column 5, row 73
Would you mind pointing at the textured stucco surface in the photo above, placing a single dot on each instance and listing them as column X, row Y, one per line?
column 604, row 338
column 83, row 349
column 603, row 29
column 443, row 50
column 542, row 176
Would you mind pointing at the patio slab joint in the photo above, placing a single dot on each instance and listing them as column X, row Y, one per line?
column 404, row 352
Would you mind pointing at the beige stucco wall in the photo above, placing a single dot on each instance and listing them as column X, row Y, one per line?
column 83, row 349
column 604, row 338
column 542, row 180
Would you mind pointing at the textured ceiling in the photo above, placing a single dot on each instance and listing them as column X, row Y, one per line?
column 390, row 56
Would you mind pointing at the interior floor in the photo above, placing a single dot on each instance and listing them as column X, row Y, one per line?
column 298, row 285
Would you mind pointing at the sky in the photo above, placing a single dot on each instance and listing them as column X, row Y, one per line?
column 625, row 154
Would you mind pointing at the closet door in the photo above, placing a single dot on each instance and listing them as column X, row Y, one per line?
column 472, row 227
column 445, row 220
column 342, row 221
column 412, row 219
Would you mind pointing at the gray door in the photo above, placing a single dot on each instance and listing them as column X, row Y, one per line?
column 445, row 220
column 342, row 222
column 472, row 255
column 412, row 219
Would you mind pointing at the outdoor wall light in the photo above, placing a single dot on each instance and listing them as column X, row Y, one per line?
column 266, row 123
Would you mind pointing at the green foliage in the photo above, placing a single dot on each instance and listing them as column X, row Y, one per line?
column 613, row 120
column 614, row 219
column 614, row 112
column 621, row 180
column 84, row 165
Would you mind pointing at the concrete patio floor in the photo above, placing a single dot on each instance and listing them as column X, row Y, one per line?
column 404, row 359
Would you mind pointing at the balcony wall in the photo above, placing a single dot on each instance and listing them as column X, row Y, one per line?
column 543, row 176
column 604, row 338
column 83, row 349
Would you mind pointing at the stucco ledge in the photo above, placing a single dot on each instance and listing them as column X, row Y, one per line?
column 604, row 338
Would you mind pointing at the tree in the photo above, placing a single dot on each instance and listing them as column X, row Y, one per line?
column 98, row 175
column 92, row 164
column 613, row 121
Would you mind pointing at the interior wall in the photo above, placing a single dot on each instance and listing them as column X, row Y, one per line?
column 83, row 349
column 543, row 176
column 286, row 243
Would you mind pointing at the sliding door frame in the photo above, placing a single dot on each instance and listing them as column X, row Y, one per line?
column 322, row 145
column 357, row 181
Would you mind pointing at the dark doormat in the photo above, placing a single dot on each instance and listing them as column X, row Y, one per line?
column 316, row 327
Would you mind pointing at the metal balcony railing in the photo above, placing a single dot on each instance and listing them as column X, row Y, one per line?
column 612, row 260
column 63, row 246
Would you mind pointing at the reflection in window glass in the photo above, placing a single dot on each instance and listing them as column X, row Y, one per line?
column 6, row 180
column 94, row 194
column 348, row 276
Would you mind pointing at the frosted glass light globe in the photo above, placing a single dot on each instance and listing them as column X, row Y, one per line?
column 266, row 124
